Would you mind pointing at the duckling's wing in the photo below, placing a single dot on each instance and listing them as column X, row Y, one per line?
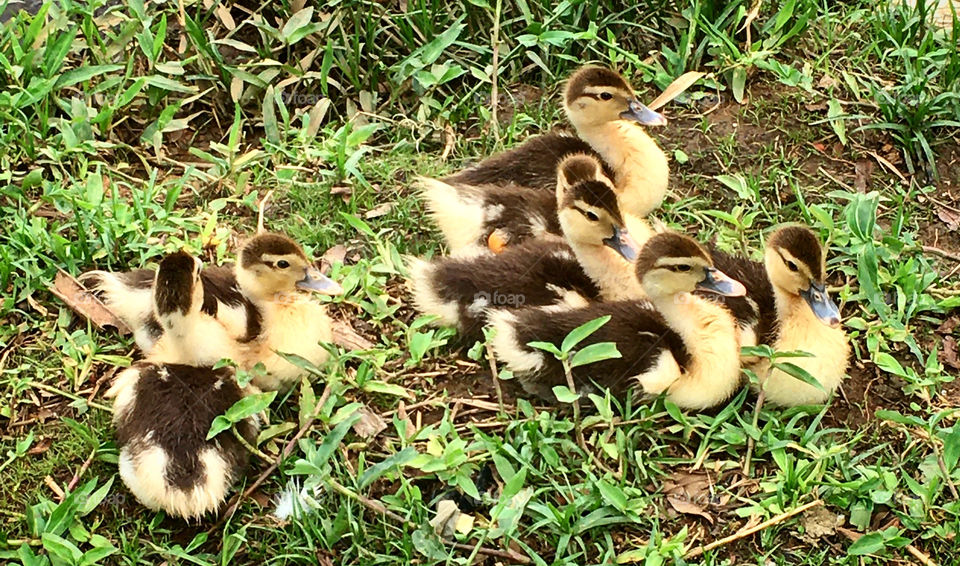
column 223, row 299
column 519, row 213
column 530, row 164
column 639, row 333
column 128, row 295
column 459, row 290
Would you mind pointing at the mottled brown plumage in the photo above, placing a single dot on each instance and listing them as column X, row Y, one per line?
column 173, row 408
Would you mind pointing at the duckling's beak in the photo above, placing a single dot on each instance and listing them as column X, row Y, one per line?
column 720, row 283
column 623, row 243
column 640, row 113
column 821, row 305
column 313, row 280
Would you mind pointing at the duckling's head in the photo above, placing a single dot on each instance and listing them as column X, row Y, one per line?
column 588, row 208
column 272, row 266
column 795, row 264
column 177, row 287
column 597, row 95
column 671, row 264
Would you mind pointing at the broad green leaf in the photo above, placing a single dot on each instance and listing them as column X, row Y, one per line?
column 564, row 395
column 397, row 460
column 595, row 353
column 61, row 548
column 798, row 372
column 81, row 74
column 332, row 441
column 871, row 543
column 270, row 126
column 292, row 30
column 613, row 495
column 581, row 332
column 835, row 115
column 546, row 347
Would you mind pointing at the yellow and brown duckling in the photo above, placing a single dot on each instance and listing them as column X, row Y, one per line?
column 258, row 300
column 594, row 262
column 163, row 408
column 471, row 205
column 789, row 309
column 676, row 343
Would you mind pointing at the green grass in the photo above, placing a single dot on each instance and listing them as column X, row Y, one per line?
column 128, row 136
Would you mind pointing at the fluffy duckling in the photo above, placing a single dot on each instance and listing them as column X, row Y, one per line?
column 601, row 106
column 789, row 308
column 595, row 262
column 271, row 272
column 258, row 301
column 677, row 342
column 163, row 409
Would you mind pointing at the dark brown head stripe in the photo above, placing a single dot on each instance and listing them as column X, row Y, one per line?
column 598, row 194
column 669, row 244
column 578, row 168
column 592, row 76
column 268, row 244
column 803, row 244
column 175, row 280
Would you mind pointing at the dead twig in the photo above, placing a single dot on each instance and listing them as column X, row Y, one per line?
column 743, row 533
column 83, row 469
column 260, row 208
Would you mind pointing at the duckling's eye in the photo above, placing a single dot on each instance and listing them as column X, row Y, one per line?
column 283, row 264
column 682, row 268
column 792, row 266
column 591, row 216
column 606, row 96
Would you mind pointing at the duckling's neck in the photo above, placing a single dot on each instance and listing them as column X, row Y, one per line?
column 613, row 274
column 641, row 168
column 799, row 329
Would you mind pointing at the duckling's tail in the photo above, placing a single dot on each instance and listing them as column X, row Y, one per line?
column 518, row 357
column 426, row 293
column 461, row 221
column 128, row 296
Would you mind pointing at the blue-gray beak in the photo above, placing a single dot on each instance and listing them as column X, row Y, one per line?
column 623, row 243
column 640, row 113
column 313, row 280
column 821, row 305
column 720, row 283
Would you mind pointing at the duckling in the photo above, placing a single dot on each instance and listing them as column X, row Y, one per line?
column 594, row 262
column 257, row 300
column 470, row 205
column 676, row 342
column 271, row 271
column 789, row 309
column 163, row 409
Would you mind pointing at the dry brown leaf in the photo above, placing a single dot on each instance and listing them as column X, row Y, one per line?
column 336, row 254
column 378, row 211
column 949, row 217
column 223, row 13
column 369, row 425
column 40, row 447
column 949, row 325
column 949, row 353
column 676, row 88
column 819, row 522
column 864, row 169
column 85, row 303
column 346, row 337
column 681, row 505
